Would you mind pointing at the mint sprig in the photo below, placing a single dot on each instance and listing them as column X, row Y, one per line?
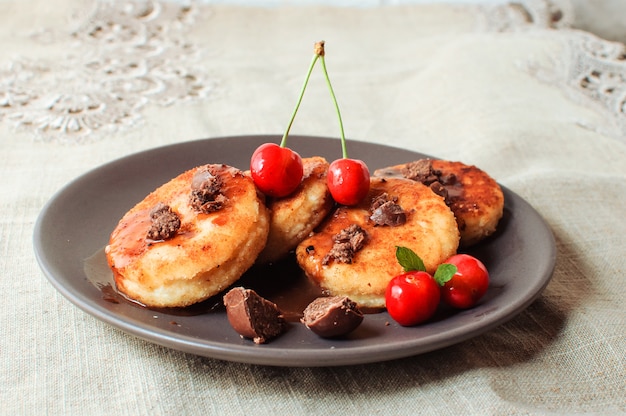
column 409, row 260
column 412, row 262
column 444, row 273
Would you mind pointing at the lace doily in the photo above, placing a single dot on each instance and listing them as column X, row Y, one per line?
column 127, row 55
column 123, row 56
column 598, row 71
column 525, row 14
column 594, row 72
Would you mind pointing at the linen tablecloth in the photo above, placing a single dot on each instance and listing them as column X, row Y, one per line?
column 511, row 88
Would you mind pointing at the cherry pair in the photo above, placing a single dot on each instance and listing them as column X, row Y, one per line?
column 277, row 170
column 413, row 296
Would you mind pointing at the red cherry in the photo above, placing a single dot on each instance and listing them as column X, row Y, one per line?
column 276, row 171
column 348, row 181
column 468, row 284
column 412, row 297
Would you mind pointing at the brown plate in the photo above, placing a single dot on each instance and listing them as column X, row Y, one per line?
column 74, row 226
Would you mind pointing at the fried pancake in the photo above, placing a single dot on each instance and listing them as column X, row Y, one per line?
column 207, row 253
column 293, row 218
column 474, row 197
column 430, row 231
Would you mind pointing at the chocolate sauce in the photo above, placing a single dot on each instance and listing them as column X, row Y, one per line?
column 455, row 191
column 283, row 283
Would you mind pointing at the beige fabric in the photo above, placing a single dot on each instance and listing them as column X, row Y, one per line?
column 540, row 108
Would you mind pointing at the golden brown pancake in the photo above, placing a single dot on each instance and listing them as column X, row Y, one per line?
column 474, row 197
column 293, row 218
column 429, row 229
column 160, row 265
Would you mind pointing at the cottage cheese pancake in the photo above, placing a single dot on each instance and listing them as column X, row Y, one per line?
column 294, row 217
column 353, row 252
column 189, row 239
column 475, row 197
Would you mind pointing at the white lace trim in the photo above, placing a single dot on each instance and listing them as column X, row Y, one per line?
column 594, row 71
column 123, row 56
column 527, row 14
column 126, row 55
column 598, row 71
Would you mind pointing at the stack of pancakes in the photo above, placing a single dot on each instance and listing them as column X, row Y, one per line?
column 210, row 250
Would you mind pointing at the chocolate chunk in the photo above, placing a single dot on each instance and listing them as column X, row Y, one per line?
column 439, row 189
column 165, row 223
column 386, row 211
column 346, row 243
column 253, row 316
column 206, row 190
column 380, row 199
column 422, row 171
column 447, row 179
column 333, row 316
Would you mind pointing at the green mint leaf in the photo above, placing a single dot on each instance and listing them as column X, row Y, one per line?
column 444, row 273
column 409, row 260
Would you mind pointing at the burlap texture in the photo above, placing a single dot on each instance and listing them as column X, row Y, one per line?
column 526, row 102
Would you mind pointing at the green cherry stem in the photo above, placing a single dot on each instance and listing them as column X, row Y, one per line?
column 283, row 142
column 321, row 53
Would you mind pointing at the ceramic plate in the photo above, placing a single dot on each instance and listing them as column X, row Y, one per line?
column 74, row 226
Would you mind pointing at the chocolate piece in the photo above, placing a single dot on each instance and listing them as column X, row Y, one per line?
column 439, row 189
column 447, row 179
column 346, row 243
column 165, row 223
column 253, row 316
column 206, row 193
column 380, row 199
column 422, row 171
column 386, row 211
column 333, row 316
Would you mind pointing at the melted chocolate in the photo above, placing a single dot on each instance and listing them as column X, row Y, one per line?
column 282, row 283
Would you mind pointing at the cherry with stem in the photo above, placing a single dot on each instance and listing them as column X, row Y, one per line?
column 348, row 179
column 277, row 170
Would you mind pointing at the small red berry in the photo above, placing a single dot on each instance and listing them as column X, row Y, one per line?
column 468, row 284
column 348, row 181
column 277, row 171
column 412, row 297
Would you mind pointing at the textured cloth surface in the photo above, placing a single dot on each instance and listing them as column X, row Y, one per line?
column 510, row 88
